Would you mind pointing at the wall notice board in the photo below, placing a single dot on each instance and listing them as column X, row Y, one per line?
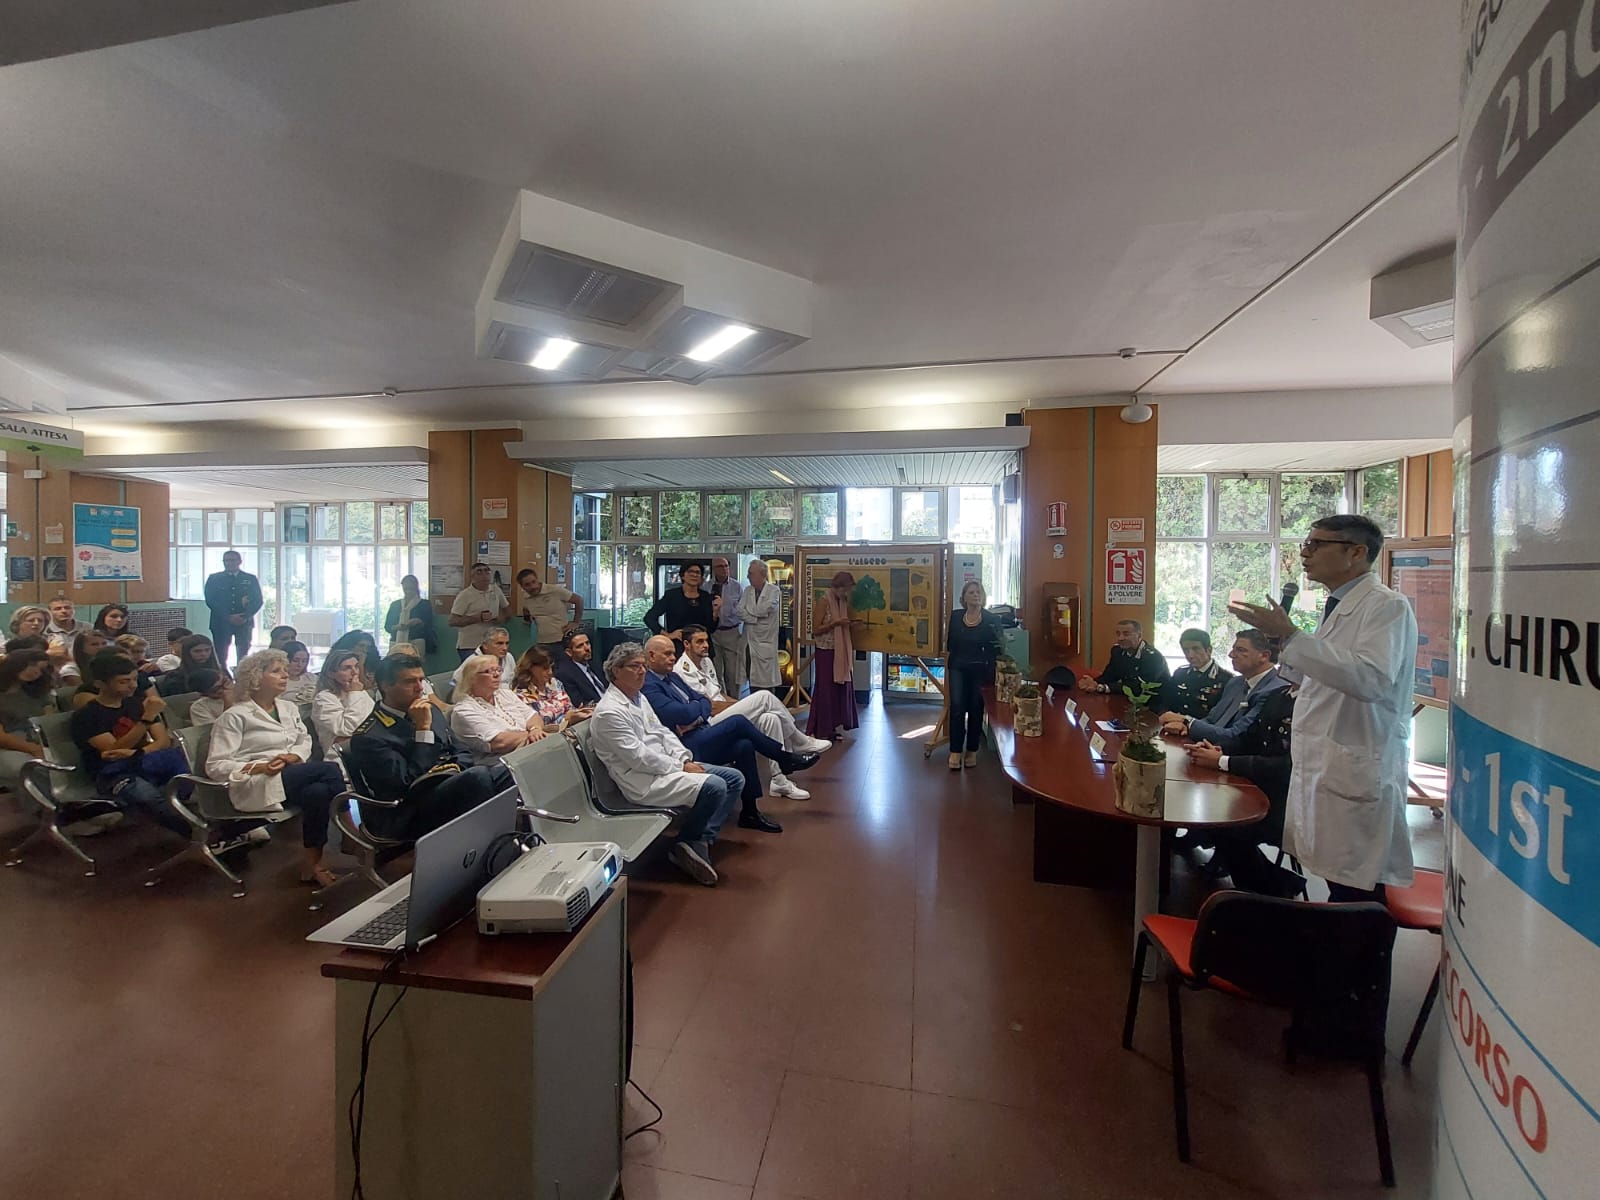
column 901, row 593
column 1420, row 569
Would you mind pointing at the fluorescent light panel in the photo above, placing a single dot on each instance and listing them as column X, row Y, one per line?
column 720, row 342
column 553, row 353
column 781, row 476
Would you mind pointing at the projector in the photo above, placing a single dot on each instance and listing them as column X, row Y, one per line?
column 550, row 889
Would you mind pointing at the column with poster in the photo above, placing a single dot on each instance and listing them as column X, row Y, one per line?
column 106, row 543
column 1519, row 1068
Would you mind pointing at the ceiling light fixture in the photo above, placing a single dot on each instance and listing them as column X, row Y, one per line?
column 720, row 342
column 553, row 353
column 781, row 476
column 1136, row 412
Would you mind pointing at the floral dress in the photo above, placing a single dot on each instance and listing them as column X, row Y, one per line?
column 552, row 704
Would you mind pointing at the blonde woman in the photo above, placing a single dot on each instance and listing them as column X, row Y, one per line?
column 341, row 703
column 972, row 644
column 489, row 718
column 259, row 748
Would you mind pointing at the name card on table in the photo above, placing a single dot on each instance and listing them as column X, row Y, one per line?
column 1072, row 710
column 1097, row 747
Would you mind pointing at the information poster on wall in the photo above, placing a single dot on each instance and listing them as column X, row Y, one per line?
column 1125, row 575
column 1422, row 574
column 105, row 543
column 446, row 565
column 899, row 595
column 1125, row 529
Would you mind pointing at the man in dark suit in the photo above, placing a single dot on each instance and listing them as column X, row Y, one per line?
column 1134, row 662
column 733, row 741
column 576, row 670
column 398, row 753
column 234, row 598
column 1239, row 707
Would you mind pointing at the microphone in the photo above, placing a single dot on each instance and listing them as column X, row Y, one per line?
column 1290, row 591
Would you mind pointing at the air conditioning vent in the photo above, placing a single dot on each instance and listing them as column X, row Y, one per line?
column 577, row 908
column 576, row 287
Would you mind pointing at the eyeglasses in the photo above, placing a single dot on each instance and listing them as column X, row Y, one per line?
column 1310, row 544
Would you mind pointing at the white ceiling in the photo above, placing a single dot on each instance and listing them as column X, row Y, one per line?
column 948, row 469
column 240, row 486
column 1291, row 456
column 305, row 205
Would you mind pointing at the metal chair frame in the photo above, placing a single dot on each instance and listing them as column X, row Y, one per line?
column 550, row 770
column 56, row 784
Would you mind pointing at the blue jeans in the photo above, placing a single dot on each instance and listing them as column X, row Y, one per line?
column 713, row 805
column 137, row 788
column 966, row 706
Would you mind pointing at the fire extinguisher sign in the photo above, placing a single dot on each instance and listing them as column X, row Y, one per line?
column 1125, row 575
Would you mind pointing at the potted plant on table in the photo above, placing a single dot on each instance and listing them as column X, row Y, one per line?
column 1029, row 720
column 1140, row 772
column 1006, row 678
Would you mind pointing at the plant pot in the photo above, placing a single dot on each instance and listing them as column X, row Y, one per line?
column 1006, row 684
column 1141, row 787
column 1029, row 720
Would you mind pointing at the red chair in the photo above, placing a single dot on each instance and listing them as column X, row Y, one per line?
column 1317, row 960
column 1420, row 906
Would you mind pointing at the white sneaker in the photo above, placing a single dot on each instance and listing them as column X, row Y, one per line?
column 259, row 836
column 780, row 786
column 811, row 745
column 91, row 826
column 689, row 860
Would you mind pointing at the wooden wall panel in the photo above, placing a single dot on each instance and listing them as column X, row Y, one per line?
column 532, row 518
column 558, row 516
column 1124, row 461
column 1441, row 495
column 154, row 501
column 1414, row 496
column 1055, row 466
column 450, row 497
column 495, row 477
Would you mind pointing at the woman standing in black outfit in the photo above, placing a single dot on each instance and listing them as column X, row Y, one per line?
column 971, row 645
column 680, row 606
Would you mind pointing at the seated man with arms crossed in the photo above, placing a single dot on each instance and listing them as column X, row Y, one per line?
column 400, row 753
column 697, row 668
column 1239, row 708
column 1194, row 689
column 1133, row 662
column 651, row 766
column 734, row 741
column 575, row 669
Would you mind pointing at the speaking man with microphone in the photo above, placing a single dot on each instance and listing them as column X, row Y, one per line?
column 1346, row 818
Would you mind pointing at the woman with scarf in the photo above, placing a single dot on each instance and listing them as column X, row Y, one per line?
column 833, row 691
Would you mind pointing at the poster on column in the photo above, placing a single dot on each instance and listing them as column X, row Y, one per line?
column 105, row 543
column 1519, row 1066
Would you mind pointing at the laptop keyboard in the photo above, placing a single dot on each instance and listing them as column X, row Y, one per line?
column 382, row 928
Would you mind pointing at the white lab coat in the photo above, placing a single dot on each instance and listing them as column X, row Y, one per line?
column 245, row 734
column 335, row 716
column 762, row 613
column 1346, row 815
column 643, row 756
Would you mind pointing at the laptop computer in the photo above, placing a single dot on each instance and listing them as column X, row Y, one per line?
column 442, row 887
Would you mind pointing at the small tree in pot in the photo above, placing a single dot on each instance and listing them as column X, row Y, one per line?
column 1006, row 678
column 1140, row 773
column 1029, row 720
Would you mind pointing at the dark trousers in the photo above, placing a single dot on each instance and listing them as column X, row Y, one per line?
column 735, row 742
column 311, row 787
column 429, row 805
column 966, row 706
column 224, row 634
column 137, row 788
column 1343, row 893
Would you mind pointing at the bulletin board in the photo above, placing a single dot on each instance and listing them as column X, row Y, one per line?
column 1420, row 569
column 901, row 593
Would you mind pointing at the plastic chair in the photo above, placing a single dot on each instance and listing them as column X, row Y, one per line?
column 208, row 806
column 603, row 789
column 177, row 710
column 1329, row 959
column 61, row 789
column 1420, row 906
column 548, row 773
column 443, row 684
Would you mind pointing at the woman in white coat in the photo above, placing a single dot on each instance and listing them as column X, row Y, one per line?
column 1346, row 814
column 761, row 610
column 340, row 703
column 259, row 749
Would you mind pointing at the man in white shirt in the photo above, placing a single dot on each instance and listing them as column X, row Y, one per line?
column 1346, row 813
column 652, row 767
column 497, row 645
column 727, row 639
column 544, row 606
column 696, row 668
column 477, row 608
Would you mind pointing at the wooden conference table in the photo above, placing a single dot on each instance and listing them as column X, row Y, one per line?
column 1080, row 837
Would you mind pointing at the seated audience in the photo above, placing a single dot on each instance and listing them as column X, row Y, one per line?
column 1263, row 758
column 259, row 748
column 302, row 687
column 112, row 620
column 194, row 652
column 697, row 667
column 363, row 642
column 536, row 685
column 30, row 620
column 1134, row 662
column 409, row 648
column 487, row 717
column 63, row 625
column 401, row 753
column 136, row 648
column 496, row 644
column 213, row 689
column 1194, row 689
column 576, row 669
column 735, row 741
column 27, row 692
column 1239, row 706
column 169, row 661
column 85, row 646
column 650, row 766
column 281, row 636
column 127, row 749
column 684, row 605
column 340, row 703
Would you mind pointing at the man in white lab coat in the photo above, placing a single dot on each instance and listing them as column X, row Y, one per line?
column 1346, row 816
column 761, row 610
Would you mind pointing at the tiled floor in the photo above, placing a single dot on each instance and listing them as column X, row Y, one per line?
column 877, row 1003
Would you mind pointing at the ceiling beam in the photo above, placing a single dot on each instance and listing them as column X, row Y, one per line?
column 40, row 29
column 910, row 441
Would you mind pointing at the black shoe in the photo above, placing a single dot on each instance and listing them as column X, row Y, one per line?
column 791, row 763
column 759, row 820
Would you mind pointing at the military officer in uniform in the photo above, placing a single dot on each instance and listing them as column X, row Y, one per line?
column 1194, row 689
column 1134, row 662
